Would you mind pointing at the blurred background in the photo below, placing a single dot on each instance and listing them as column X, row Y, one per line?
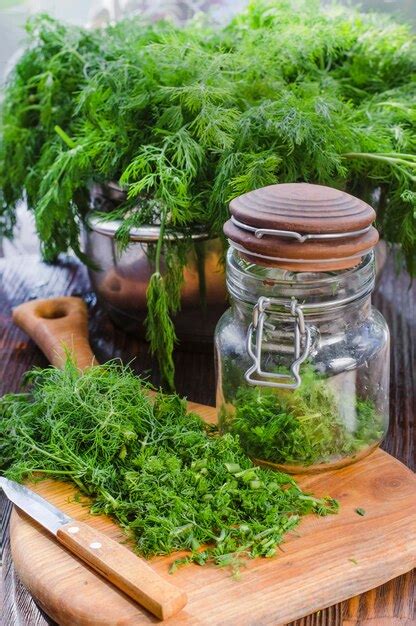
column 14, row 13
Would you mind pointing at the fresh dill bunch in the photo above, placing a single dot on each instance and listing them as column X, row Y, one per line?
column 186, row 118
column 163, row 474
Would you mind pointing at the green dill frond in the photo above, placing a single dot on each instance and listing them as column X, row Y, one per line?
column 160, row 330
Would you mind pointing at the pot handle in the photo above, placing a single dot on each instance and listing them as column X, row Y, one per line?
column 59, row 326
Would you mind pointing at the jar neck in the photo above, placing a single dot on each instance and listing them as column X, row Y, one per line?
column 321, row 295
column 326, row 319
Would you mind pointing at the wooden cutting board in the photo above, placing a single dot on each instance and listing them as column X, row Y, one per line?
column 327, row 560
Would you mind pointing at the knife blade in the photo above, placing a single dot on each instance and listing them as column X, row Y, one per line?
column 115, row 562
column 36, row 507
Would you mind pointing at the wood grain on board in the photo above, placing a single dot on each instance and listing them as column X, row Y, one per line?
column 24, row 277
column 327, row 560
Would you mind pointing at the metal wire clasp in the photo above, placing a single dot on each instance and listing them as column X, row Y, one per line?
column 302, row 335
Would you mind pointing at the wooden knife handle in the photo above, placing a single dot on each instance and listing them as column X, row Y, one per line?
column 123, row 568
column 57, row 326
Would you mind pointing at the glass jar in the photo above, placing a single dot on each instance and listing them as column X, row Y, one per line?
column 302, row 364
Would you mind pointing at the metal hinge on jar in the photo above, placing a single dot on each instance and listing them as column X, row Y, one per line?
column 302, row 341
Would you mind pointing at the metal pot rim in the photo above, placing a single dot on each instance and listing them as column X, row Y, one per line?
column 143, row 233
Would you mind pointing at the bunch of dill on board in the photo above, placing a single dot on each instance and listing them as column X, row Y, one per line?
column 186, row 118
column 163, row 474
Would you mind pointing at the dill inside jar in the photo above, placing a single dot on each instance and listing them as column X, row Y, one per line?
column 302, row 357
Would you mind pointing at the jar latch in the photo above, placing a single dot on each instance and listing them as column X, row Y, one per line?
column 255, row 333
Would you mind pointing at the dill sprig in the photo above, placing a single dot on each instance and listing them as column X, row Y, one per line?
column 163, row 474
column 160, row 329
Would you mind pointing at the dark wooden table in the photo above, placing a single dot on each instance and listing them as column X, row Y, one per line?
column 25, row 277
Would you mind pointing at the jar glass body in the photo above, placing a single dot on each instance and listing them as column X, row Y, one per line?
column 329, row 409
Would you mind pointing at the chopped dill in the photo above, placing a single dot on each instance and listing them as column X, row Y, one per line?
column 163, row 474
column 299, row 427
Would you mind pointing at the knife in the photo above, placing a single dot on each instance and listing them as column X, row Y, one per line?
column 109, row 558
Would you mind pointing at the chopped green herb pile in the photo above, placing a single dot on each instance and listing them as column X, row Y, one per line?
column 187, row 118
column 300, row 427
column 162, row 473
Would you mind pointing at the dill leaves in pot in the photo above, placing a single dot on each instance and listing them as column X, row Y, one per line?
column 163, row 474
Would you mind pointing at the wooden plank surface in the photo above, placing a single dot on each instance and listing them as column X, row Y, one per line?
column 22, row 278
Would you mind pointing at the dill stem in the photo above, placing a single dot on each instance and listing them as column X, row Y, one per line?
column 74, row 52
column 53, row 471
column 393, row 155
column 160, row 241
column 374, row 156
column 65, row 138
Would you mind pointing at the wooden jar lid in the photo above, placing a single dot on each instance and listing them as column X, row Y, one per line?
column 301, row 227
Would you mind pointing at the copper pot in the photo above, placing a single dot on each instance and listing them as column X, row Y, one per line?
column 120, row 279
